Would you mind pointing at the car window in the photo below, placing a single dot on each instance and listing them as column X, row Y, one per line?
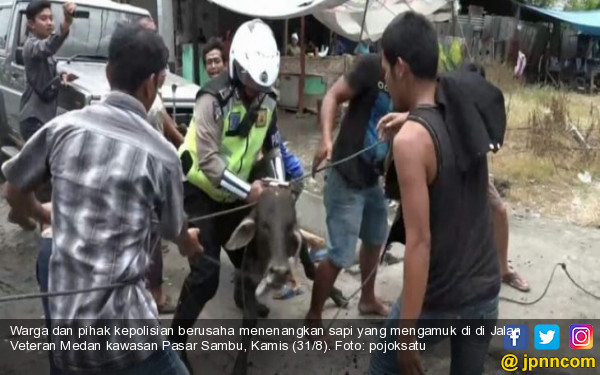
column 90, row 33
column 4, row 23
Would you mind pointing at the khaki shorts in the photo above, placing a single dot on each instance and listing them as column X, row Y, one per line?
column 493, row 195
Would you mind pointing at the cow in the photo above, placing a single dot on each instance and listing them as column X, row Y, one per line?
column 271, row 240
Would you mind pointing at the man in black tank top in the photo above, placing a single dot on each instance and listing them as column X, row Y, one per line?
column 451, row 269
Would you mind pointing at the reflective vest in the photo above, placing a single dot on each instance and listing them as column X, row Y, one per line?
column 239, row 152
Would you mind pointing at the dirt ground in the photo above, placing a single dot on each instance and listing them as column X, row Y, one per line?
column 537, row 244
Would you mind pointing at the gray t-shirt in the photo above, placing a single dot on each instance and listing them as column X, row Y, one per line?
column 40, row 69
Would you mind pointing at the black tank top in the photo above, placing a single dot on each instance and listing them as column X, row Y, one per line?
column 464, row 267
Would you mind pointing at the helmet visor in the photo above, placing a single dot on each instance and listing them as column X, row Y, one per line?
column 247, row 80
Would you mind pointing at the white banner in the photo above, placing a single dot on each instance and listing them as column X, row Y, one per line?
column 346, row 19
column 277, row 9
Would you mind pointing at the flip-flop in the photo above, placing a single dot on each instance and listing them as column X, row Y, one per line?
column 287, row 292
column 513, row 279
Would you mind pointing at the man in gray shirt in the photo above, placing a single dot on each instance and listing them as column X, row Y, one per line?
column 39, row 101
column 117, row 189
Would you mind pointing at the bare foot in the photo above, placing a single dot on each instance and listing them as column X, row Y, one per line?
column 376, row 307
column 316, row 331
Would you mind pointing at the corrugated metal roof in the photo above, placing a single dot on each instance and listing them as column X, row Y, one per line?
column 588, row 22
column 475, row 21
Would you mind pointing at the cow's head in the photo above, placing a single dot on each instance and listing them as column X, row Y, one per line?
column 272, row 224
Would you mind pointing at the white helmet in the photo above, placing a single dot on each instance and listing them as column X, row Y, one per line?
column 254, row 56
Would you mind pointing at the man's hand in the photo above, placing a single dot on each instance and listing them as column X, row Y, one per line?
column 190, row 246
column 69, row 9
column 68, row 77
column 44, row 214
column 409, row 361
column 324, row 153
column 389, row 125
column 256, row 190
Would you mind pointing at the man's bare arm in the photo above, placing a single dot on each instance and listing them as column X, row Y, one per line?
column 171, row 131
column 339, row 93
column 415, row 160
column 25, row 204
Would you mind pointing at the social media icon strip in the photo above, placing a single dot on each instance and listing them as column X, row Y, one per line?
column 516, row 337
column 547, row 337
column 581, row 336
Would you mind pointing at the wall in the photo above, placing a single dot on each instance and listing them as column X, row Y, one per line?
column 327, row 70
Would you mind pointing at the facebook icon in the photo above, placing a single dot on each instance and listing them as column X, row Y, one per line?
column 516, row 337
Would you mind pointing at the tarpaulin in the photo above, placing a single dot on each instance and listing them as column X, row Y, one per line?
column 344, row 17
column 588, row 22
column 276, row 9
column 347, row 19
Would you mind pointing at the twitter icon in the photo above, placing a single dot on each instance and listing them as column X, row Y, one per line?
column 547, row 337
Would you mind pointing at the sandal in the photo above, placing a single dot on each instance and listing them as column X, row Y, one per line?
column 287, row 292
column 513, row 279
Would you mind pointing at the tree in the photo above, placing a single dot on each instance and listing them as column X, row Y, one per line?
column 583, row 4
column 541, row 3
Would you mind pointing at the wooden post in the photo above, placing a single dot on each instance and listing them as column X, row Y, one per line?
column 195, row 35
column 302, row 79
column 285, row 37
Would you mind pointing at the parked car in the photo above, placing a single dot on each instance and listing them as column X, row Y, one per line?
column 84, row 54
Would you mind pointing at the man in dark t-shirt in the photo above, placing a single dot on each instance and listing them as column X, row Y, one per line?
column 354, row 198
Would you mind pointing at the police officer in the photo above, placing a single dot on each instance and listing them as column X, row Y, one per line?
column 234, row 120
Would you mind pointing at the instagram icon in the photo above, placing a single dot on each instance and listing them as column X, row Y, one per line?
column 581, row 336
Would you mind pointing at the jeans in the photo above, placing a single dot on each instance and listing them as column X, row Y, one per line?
column 467, row 352
column 43, row 262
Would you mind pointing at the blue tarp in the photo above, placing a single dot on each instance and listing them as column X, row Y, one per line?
column 588, row 22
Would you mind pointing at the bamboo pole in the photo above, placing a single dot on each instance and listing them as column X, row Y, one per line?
column 301, row 82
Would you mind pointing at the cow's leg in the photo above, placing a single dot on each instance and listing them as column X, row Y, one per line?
column 310, row 271
column 250, row 305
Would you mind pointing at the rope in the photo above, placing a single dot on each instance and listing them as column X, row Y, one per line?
column 21, row 297
column 564, row 268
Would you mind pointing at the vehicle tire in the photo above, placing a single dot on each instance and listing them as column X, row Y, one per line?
column 4, row 127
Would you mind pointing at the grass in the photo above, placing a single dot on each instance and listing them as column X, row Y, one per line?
column 541, row 160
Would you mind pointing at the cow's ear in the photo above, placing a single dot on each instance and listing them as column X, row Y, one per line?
column 243, row 234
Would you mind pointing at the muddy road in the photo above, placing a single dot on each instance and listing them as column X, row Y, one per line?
column 536, row 245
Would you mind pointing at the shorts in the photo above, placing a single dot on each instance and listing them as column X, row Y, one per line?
column 493, row 195
column 353, row 214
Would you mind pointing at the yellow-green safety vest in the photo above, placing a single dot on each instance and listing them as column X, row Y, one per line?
column 240, row 153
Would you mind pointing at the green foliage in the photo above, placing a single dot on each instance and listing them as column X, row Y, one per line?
column 541, row 3
column 583, row 5
column 452, row 57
